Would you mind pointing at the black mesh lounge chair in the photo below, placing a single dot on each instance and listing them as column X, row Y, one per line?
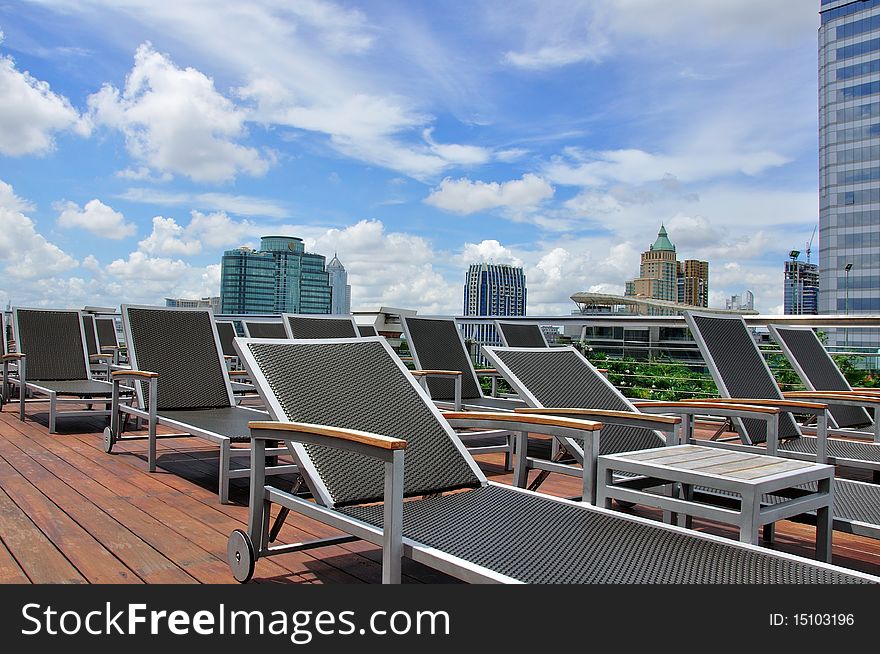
column 263, row 329
column 445, row 370
column 108, row 341
column 181, row 382
column 53, row 362
column 238, row 377
column 740, row 371
column 300, row 325
column 437, row 344
column 520, row 334
column 226, row 332
column 367, row 330
column 99, row 362
column 344, row 405
column 818, row 372
column 10, row 360
column 560, row 381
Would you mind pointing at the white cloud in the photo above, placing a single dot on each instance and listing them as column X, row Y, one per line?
column 9, row 200
column 464, row 196
column 490, row 251
column 31, row 113
column 95, row 217
column 212, row 231
column 24, row 252
column 141, row 268
column 175, row 121
column 236, row 204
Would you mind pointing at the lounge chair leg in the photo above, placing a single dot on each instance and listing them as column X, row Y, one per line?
column 52, row 408
column 153, row 420
column 392, row 529
column 224, row 471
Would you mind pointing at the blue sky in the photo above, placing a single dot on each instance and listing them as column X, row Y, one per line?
column 139, row 139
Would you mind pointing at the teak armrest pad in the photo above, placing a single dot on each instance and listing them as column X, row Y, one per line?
column 660, row 420
column 426, row 373
column 350, row 435
column 13, row 355
column 710, row 404
column 524, row 418
column 134, row 373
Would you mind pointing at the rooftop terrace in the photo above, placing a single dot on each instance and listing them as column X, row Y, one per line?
column 69, row 513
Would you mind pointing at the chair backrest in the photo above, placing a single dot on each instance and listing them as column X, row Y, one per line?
column 357, row 383
column 307, row 326
column 367, row 330
column 53, row 342
column 437, row 344
column 738, row 368
column 182, row 345
column 817, row 370
column 521, row 334
column 88, row 321
column 226, row 332
column 260, row 329
column 561, row 377
column 106, row 328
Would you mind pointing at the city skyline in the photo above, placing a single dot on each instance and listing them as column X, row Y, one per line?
column 136, row 145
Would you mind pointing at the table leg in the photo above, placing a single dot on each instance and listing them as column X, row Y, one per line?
column 750, row 512
column 825, row 522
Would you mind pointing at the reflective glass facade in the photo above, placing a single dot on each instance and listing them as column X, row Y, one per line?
column 849, row 164
column 280, row 277
column 493, row 290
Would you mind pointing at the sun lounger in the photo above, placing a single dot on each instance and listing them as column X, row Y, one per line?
column 263, row 329
column 520, row 334
column 300, row 325
column 53, row 362
column 366, row 436
column 818, row 372
column 181, row 382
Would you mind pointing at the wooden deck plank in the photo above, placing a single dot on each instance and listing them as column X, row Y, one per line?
column 195, row 561
column 148, row 564
column 37, row 556
column 89, row 556
column 10, row 571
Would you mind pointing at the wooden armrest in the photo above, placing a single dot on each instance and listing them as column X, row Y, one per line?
column 864, row 389
column 238, row 373
column 100, row 356
column 602, row 370
column 486, row 371
column 524, row 418
column 10, row 356
column 709, row 404
column 831, row 396
column 428, row 373
column 660, row 420
column 769, row 402
column 347, row 435
column 134, row 373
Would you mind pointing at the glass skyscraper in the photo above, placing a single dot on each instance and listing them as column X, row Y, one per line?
column 849, row 164
column 493, row 290
column 279, row 277
column 341, row 289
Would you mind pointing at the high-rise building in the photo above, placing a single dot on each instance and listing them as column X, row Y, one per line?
column 279, row 277
column 693, row 282
column 801, row 289
column 663, row 277
column 213, row 302
column 746, row 301
column 493, row 290
column 341, row 301
column 849, row 164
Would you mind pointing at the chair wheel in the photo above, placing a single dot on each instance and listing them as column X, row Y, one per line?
column 108, row 440
column 240, row 554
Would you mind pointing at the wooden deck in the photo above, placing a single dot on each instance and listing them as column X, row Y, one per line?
column 69, row 513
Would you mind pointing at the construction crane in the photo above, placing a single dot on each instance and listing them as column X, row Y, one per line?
column 810, row 243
